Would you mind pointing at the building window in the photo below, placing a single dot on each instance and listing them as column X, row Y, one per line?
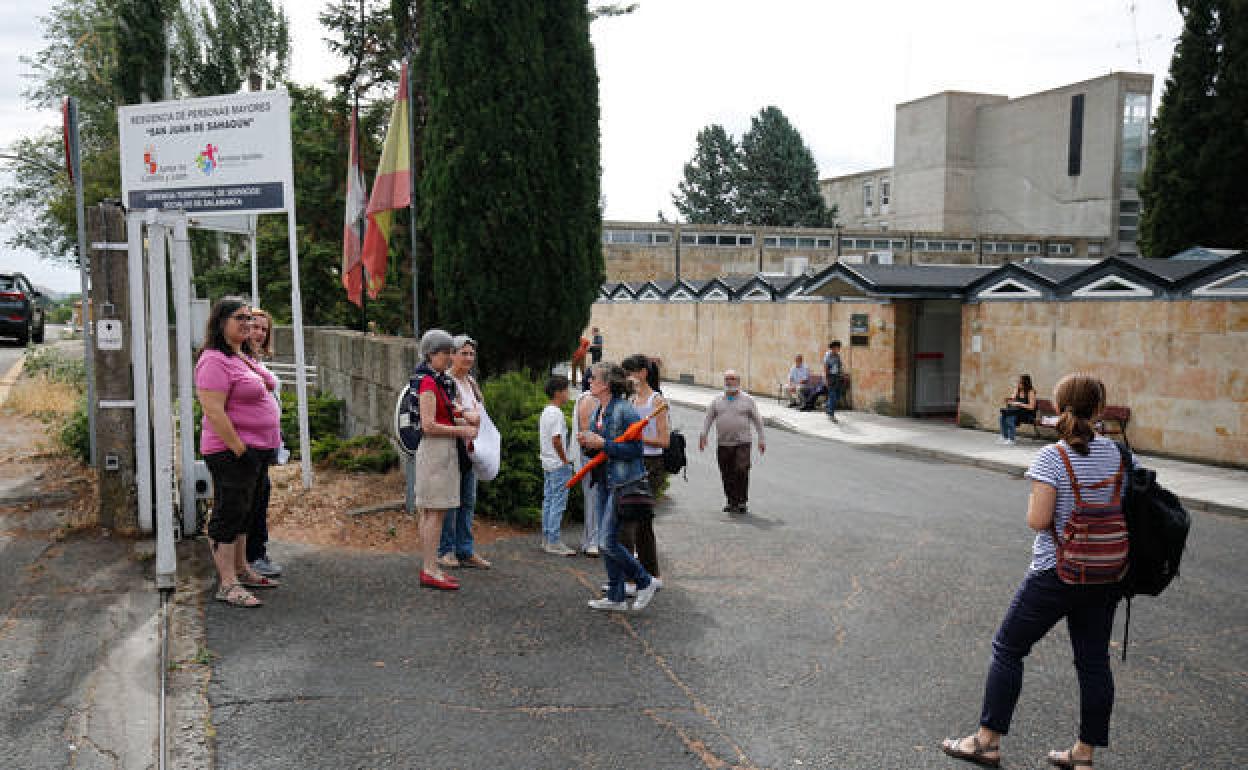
column 823, row 243
column 1061, row 249
column 1074, row 152
column 806, row 243
column 662, row 237
column 899, row 245
column 690, row 239
column 769, row 242
column 1134, row 137
column 745, row 240
column 847, row 243
column 1095, row 249
column 866, row 197
column 886, row 189
column 788, row 243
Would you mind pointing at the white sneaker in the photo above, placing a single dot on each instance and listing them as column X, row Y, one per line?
column 591, row 551
column 608, row 605
column 658, row 582
column 630, row 589
column 1010, row 442
column 644, row 595
column 558, row 549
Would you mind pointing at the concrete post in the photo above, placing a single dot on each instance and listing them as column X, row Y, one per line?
column 114, row 391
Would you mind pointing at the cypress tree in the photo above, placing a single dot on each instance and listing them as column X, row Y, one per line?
column 1195, row 186
column 779, row 180
column 509, row 194
column 708, row 192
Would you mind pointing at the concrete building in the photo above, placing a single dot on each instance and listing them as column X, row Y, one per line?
column 1062, row 163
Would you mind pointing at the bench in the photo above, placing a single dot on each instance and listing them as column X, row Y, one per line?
column 1113, row 420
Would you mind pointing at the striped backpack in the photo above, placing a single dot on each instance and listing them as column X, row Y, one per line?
column 1093, row 546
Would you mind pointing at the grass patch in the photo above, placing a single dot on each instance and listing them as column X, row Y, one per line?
column 44, row 398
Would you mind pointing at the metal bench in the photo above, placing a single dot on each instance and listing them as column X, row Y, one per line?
column 1113, row 420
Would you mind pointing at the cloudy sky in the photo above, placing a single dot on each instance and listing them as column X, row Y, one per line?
column 836, row 69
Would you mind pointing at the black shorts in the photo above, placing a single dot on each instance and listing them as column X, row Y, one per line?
column 236, row 483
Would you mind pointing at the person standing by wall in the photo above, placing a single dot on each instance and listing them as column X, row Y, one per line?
column 732, row 414
column 455, row 548
column 556, row 467
column 437, row 478
column 240, row 432
column 833, row 377
column 595, row 346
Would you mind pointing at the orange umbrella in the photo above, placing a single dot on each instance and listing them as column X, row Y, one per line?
column 632, row 433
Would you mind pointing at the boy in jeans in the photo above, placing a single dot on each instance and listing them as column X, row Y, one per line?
column 557, row 469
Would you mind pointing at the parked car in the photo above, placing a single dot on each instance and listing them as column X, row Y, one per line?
column 22, row 309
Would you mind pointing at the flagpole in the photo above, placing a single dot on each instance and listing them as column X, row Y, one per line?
column 356, row 139
column 411, row 208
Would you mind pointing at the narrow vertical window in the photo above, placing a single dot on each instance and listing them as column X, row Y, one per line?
column 1074, row 162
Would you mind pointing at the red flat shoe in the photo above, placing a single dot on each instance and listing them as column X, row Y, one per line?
column 443, row 583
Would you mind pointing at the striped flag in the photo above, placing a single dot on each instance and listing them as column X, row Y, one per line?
column 392, row 189
column 356, row 204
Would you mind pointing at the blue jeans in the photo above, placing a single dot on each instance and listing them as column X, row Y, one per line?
column 457, row 523
column 834, row 398
column 554, row 502
column 1009, row 425
column 1041, row 601
column 593, row 515
column 620, row 564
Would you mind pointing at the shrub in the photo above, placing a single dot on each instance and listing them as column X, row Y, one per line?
column 74, row 433
column 56, row 366
column 362, row 454
column 515, row 403
column 324, row 419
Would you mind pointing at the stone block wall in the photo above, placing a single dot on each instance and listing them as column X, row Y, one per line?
column 367, row 372
column 1181, row 366
column 698, row 341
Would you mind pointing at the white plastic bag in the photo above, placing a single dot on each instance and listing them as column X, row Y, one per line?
column 487, row 449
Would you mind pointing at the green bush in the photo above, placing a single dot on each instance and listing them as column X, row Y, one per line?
column 56, row 365
column 74, row 433
column 515, row 403
column 362, row 454
column 324, row 419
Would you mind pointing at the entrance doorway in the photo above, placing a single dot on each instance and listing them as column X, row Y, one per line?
column 937, row 357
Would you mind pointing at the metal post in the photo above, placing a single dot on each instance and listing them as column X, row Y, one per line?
column 412, row 155
column 84, row 265
column 301, row 372
column 255, row 274
column 162, row 407
column 138, row 364
column 181, row 256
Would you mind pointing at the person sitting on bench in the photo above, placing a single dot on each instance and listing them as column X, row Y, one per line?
column 798, row 382
column 1021, row 407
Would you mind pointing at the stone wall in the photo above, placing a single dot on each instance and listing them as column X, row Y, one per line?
column 697, row 341
column 367, row 372
column 1181, row 366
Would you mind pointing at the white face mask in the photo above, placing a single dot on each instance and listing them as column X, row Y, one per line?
column 732, row 388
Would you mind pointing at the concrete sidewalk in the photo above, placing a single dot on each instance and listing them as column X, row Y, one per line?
column 1201, row 487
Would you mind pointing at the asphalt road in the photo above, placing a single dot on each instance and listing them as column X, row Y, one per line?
column 845, row 623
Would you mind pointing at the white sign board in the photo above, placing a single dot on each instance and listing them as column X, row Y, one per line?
column 108, row 335
column 217, row 154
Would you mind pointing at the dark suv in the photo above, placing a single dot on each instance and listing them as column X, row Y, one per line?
column 22, row 309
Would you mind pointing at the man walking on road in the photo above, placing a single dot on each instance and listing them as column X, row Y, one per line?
column 732, row 414
column 833, row 376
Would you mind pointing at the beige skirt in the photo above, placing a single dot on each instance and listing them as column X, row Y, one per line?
column 437, row 474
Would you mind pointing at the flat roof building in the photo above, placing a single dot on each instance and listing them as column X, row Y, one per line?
column 1060, row 163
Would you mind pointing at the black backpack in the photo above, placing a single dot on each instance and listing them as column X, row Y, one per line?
column 674, row 460
column 1157, row 527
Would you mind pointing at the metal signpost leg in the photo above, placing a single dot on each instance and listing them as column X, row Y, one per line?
column 181, row 256
column 301, row 372
column 162, row 407
column 138, row 363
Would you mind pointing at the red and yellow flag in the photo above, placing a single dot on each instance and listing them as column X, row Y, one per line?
column 357, row 202
column 392, row 189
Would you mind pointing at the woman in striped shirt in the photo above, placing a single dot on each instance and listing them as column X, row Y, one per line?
column 1043, row 598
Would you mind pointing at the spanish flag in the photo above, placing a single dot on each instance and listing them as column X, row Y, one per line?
column 392, row 189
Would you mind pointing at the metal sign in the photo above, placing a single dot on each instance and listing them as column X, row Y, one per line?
column 217, row 154
column 858, row 323
column 108, row 335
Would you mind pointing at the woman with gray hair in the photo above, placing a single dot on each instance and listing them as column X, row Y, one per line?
column 455, row 548
column 437, row 458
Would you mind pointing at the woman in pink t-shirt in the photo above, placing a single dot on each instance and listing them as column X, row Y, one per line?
column 241, row 431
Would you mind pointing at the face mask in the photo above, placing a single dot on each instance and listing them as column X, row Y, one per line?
column 731, row 390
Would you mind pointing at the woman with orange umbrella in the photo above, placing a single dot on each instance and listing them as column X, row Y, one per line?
column 621, row 474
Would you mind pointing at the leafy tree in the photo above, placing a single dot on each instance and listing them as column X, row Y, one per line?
column 779, row 182
column 708, row 192
column 222, row 44
column 142, row 46
column 1195, row 186
column 510, row 192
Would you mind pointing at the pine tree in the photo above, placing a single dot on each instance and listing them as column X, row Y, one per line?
column 222, row 44
column 510, row 192
column 708, row 192
column 1195, row 186
column 779, row 183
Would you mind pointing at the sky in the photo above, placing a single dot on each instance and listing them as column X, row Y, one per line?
column 836, row 69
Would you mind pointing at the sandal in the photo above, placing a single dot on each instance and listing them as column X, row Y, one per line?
column 978, row 755
column 253, row 579
column 235, row 595
column 475, row 561
column 1065, row 759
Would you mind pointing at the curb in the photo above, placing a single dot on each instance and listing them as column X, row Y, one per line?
column 10, row 379
column 1010, row 469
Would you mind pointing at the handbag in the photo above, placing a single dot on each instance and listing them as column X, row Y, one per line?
column 634, row 499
